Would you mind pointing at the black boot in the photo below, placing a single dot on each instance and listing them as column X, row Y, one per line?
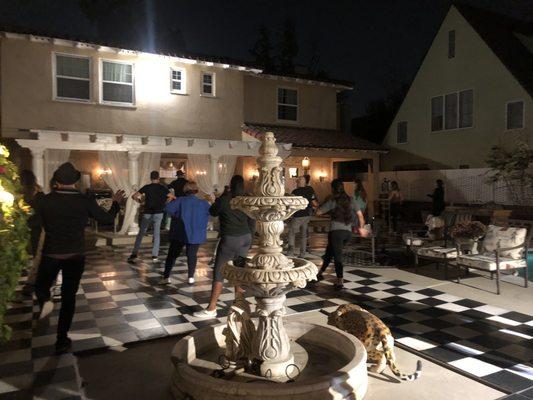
column 63, row 345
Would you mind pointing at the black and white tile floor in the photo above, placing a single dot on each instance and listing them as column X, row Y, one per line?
column 120, row 303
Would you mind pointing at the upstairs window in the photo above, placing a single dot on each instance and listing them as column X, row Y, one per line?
column 401, row 132
column 451, row 44
column 208, row 84
column 177, row 80
column 515, row 115
column 287, row 104
column 117, row 83
column 466, row 108
column 437, row 113
column 72, row 77
column 452, row 111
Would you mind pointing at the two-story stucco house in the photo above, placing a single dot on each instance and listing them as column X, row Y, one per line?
column 121, row 112
column 472, row 91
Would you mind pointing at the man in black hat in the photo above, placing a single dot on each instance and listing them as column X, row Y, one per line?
column 64, row 214
column 178, row 183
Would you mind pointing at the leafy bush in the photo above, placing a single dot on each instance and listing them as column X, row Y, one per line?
column 14, row 236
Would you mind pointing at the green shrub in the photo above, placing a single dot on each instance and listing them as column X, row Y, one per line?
column 14, row 236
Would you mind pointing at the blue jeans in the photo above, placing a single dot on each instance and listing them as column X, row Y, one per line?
column 146, row 219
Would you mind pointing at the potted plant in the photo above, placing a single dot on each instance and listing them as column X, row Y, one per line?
column 467, row 234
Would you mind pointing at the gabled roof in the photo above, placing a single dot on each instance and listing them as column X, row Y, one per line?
column 313, row 138
column 502, row 35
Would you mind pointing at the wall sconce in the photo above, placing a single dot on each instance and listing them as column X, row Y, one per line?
column 254, row 175
column 104, row 171
column 322, row 176
column 305, row 163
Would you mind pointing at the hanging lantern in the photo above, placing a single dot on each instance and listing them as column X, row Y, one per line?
column 305, row 162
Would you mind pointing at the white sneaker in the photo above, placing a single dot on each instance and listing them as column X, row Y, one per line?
column 165, row 281
column 191, row 281
column 155, row 259
column 205, row 314
column 46, row 309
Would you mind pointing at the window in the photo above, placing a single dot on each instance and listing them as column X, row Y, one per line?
column 515, row 115
column 208, row 84
column 437, row 113
column 401, row 132
column 466, row 108
column 451, row 44
column 72, row 77
column 287, row 104
column 177, row 80
column 117, row 83
column 452, row 111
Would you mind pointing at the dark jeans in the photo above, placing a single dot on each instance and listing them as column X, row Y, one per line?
column 174, row 251
column 337, row 239
column 395, row 211
column 228, row 248
column 72, row 269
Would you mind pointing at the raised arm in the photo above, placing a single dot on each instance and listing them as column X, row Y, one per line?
column 102, row 216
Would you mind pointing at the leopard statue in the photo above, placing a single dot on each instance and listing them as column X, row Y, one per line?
column 375, row 336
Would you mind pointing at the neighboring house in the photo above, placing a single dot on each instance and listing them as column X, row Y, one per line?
column 87, row 98
column 473, row 91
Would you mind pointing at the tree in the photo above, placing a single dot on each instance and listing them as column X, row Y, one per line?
column 288, row 47
column 511, row 168
column 262, row 50
column 14, row 236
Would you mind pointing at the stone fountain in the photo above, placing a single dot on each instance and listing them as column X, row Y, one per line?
column 256, row 355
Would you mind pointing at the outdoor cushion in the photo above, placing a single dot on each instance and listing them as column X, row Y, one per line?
column 488, row 262
column 412, row 239
column 437, row 252
column 508, row 237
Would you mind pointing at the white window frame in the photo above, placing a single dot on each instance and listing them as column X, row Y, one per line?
column 406, row 132
column 183, row 80
column 297, row 105
column 458, row 92
column 101, row 83
column 523, row 114
column 55, row 76
column 213, row 84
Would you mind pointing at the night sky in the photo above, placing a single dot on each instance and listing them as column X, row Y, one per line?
column 377, row 44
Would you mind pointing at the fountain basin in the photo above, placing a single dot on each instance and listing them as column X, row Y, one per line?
column 332, row 365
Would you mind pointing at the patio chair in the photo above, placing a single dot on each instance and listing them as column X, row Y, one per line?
column 446, row 250
column 503, row 248
column 418, row 238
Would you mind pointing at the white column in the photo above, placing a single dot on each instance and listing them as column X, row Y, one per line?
column 133, row 175
column 213, row 159
column 37, row 163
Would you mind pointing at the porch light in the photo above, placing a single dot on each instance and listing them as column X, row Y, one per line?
column 322, row 176
column 305, row 163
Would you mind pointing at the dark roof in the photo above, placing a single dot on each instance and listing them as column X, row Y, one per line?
column 131, row 46
column 313, row 138
column 500, row 34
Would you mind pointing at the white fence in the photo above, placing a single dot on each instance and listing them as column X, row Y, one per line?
column 461, row 186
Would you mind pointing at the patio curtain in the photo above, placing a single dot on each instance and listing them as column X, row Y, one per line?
column 198, row 168
column 226, row 169
column 53, row 158
column 117, row 162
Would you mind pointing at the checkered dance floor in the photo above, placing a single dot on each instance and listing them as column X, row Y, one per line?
column 121, row 303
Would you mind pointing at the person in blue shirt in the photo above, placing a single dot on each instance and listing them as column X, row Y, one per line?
column 188, row 228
